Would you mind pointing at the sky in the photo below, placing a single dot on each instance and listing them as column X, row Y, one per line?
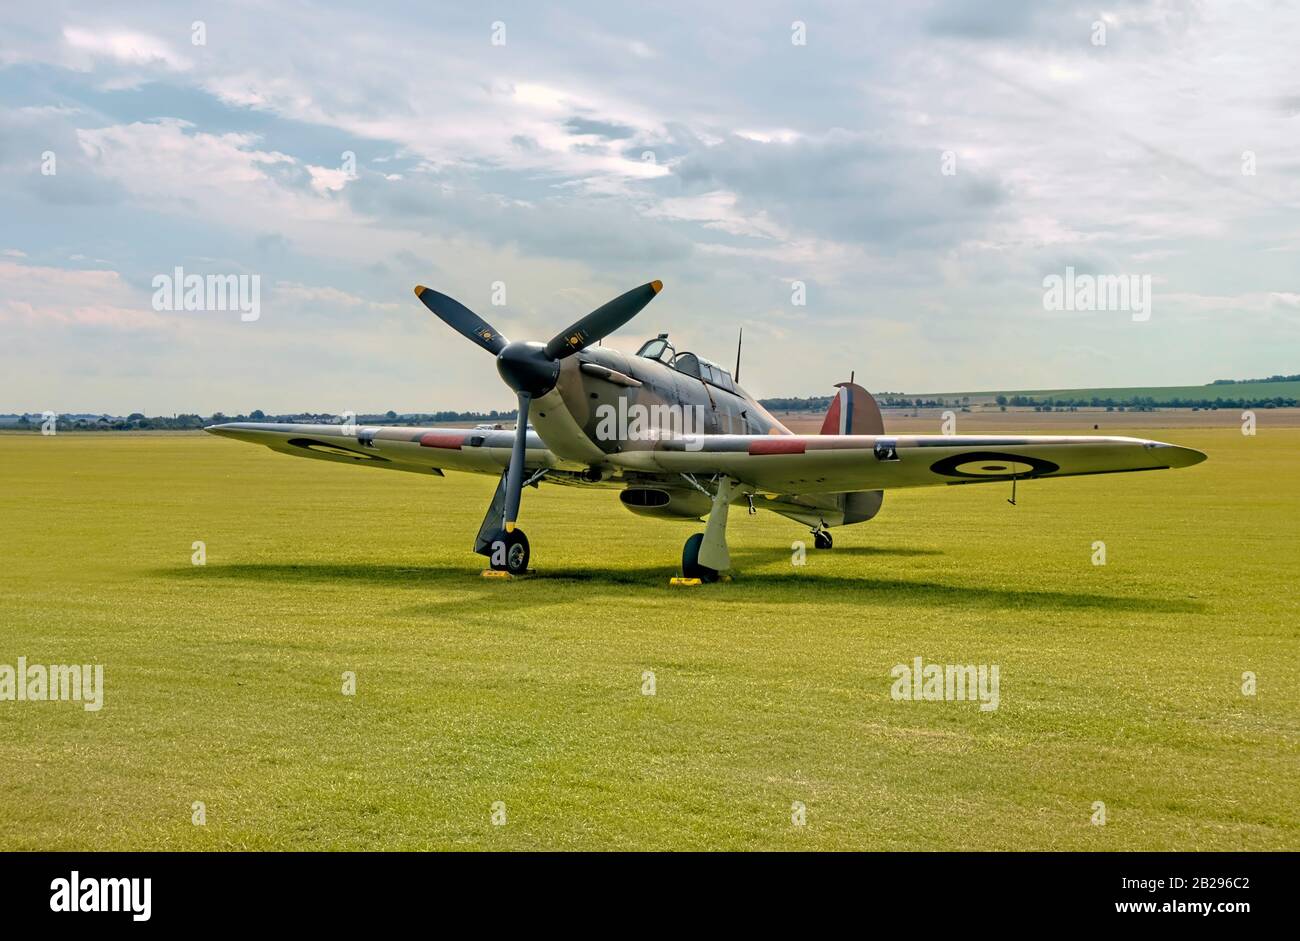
column 912, row 173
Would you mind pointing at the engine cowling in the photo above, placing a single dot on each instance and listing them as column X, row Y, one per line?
column 665, row 503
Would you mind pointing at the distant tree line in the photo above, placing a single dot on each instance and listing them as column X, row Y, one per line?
column 1233, row 382
column 1148, row 403
column 137, row 421
column 1046, row 403
column 819, row 403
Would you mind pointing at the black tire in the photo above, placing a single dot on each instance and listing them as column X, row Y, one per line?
column 691, row 567
column 822, row 539
column 517, row 553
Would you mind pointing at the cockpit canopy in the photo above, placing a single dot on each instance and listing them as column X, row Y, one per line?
column 663, row 351
column 659, row 348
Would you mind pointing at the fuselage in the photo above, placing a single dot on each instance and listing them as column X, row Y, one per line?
column 607, row 402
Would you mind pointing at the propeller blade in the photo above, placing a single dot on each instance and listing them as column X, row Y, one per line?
column 515, row 472
column 461, row 319
column 602, row 321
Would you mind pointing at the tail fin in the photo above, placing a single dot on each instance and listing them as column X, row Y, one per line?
column 853, row 412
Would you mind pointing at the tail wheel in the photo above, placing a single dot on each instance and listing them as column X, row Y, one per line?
column 822, row 539
column 510, row 553
column 691, row 567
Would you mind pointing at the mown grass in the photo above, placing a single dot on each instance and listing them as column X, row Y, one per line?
column 1119, row 683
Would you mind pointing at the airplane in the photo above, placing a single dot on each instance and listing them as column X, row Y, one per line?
column 678, row 438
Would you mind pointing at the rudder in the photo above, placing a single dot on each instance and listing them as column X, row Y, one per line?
column 853, row 412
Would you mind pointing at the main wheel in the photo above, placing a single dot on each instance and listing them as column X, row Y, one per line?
column 822, row 539
column 691, row 567
column 512, row 553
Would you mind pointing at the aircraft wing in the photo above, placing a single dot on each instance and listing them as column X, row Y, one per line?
column 776, row 464
column 419, row 450
column 808, row 464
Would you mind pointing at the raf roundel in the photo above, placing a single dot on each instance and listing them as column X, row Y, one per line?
column 993, row 465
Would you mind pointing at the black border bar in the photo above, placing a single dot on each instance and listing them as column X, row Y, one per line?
column 329, row 889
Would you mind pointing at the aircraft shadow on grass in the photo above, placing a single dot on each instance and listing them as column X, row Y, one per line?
column 797, row 586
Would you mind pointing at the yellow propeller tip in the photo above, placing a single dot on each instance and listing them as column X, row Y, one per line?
column 657, row 286
column 420, row 289
column 510, row 527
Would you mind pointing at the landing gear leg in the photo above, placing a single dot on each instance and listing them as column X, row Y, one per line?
column 705, row 554
column 506, row 551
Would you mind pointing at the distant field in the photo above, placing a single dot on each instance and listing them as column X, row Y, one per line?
column 990, row 419
column 1240, row 390
column 1119, row 683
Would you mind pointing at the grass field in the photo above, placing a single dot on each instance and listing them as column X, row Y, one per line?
column 1119, row 683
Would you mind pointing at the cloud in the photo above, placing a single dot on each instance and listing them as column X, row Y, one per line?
column 306, row 294
column 126, row 48
column 120, row 59
column 327, row 179
column 770, row 163
column 1060, row 23
column 168, row 159
column 717, row 210
column 848, row 186
column 607, row 129
column 223, row 179
column 41, row 298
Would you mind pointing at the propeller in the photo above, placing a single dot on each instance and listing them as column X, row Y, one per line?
column 602, row 321
column 531, row 368
column 461, row 319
